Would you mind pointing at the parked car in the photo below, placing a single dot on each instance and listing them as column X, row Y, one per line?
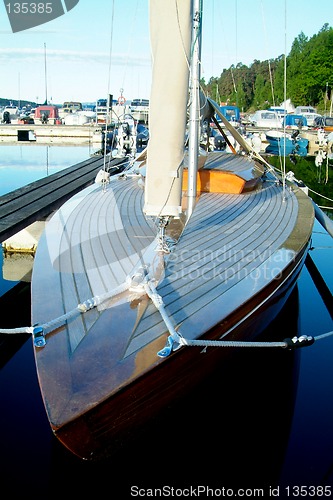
column 324, row 122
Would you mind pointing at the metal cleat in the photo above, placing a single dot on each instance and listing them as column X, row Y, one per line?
column 171, row 345
column 296, row 342
column 38, row 336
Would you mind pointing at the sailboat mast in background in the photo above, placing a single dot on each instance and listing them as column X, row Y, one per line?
column 45, row 73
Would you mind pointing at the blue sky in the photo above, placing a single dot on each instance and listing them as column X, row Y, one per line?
column 101, row 46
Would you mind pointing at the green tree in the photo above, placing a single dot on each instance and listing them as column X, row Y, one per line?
column 309, row 71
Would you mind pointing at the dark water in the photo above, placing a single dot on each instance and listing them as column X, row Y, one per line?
column 260, row 426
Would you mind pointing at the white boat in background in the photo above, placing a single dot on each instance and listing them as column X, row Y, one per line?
column 281, row 112
column 308, row 112
column 264, row 118
column 79, row 118
column 319, row 141
column 11, row 113
column 139, row 109
column 69, row 107
column 102, row 111
column 142, row 280
column 112, row 113
column 286, row 140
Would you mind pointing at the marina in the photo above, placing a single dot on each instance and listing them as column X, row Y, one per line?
column 187, row 248
column 285, row 440
column 99, row 324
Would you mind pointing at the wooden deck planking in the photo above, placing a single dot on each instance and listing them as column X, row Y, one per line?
column 184, row 294
column 246, row 245
column 96, row 253
column 235, row 216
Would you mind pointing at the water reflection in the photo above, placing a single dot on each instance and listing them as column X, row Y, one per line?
column 317, row 177
column 21, row 164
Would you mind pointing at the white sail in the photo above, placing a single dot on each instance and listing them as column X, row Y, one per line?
column 170, row 24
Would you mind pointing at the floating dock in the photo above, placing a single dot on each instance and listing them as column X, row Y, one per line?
column 50, row 134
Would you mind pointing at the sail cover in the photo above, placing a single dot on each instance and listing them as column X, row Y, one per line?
column 170, row 32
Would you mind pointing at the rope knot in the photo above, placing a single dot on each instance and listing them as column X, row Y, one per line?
column 88, row 304
column 137, row 282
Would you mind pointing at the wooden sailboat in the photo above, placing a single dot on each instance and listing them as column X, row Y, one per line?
column 140, row 282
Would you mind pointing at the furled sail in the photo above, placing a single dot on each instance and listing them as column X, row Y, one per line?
column 170, row 26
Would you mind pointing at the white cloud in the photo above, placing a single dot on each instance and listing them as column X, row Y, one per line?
column 19, row 54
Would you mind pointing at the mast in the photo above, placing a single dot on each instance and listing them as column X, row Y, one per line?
column 194, row 107
column 45, row 73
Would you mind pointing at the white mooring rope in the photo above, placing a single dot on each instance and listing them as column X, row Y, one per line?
column 174, row 341
column 79, row 309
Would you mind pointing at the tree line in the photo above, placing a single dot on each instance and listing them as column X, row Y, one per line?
column 309, row 77
column 7, row 102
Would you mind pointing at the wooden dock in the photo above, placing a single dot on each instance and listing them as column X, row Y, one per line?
column 35, row 201
column 50, row 134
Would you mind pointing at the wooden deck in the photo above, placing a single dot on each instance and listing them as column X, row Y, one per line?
column 37, row 200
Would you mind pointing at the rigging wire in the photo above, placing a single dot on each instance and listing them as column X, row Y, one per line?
column 314, row 192
column 130, row 39
column 108, row 94
column 285, row 98
column 321, row 195
column 269, row 62
column 270, row 75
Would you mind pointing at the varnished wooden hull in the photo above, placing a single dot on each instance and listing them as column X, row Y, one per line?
column 104, row 430
column 234, row 265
